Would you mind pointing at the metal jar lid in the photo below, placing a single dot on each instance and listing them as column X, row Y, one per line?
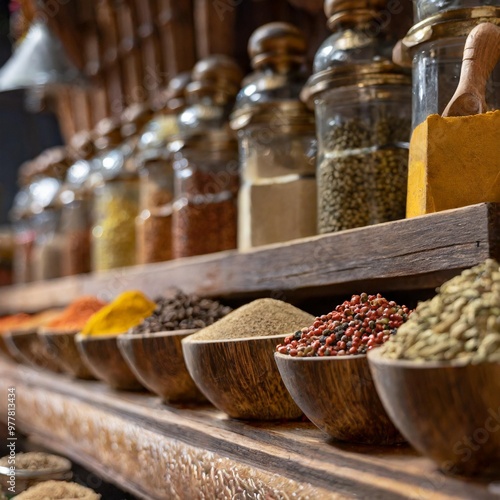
column 271, row 94
column 449, row 24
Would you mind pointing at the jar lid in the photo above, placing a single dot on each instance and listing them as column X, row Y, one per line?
column 271, row 93
column 362, row 75
column 53, row 162
column 134, row 118
column 275, row 45
column 21, row 207
column 107, row 133
column 218, row 76
column 452, row 23
column 175, row 94
column 82, row 145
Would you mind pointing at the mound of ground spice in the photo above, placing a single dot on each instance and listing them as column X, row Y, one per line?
column 58, row 490
column 35, row 460
column 13, row 321
column 260, row 318
column 38, row 320
column 76, row 315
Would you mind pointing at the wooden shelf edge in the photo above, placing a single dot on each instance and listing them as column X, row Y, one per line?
column 408, row 254
column 155, row 451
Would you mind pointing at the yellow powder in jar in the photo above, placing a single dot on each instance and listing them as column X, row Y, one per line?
column 126, row 311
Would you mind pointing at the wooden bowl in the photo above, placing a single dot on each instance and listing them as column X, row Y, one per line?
column 4, row 349
column 240, row 377
column 64, row 346
column 338, row 395
column 105, row 361
column 27, row 348
column 156, row 360
column 449, row 412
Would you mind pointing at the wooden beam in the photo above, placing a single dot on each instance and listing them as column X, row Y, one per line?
column 412, row 254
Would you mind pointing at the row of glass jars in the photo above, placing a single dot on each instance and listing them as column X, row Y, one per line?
column 185, row 190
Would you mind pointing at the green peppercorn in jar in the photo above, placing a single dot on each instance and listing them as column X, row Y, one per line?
column 362, row 103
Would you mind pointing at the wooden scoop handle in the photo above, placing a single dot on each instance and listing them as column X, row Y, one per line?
column 481, row 54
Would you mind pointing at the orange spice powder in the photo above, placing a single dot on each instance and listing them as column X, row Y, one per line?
column 76, row 315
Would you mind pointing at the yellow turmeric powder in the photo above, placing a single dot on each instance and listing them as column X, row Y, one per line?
column 125, row 312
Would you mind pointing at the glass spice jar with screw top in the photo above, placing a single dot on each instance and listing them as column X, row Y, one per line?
column 363, row 115
column 277, row 141
column 434, row 48
column 45, row 187
column 115, row 200
column 76, row 201
column 21, row 217
column 206, row 162
column 156, row 176
column 423, row 9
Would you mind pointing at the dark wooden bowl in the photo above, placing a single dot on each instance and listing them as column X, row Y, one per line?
column 240, row 377
column 338, row 395
column 449, row 412
column 27, row 348
column 156, row 360
column 64, row 346
column 4, row 349
column 105, row 361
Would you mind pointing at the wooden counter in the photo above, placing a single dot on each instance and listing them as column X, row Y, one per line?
column 162, row 452
column 419, row 253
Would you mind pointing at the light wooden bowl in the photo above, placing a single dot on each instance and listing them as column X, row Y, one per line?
column 105, row 361
column 27, row 348
column 338, row 395
column 240, row 377
column 64, row 346
column 156, row 360
column 449, row 412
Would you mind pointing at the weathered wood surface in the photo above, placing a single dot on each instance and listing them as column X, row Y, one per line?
column 158, row 452
column 418, row 253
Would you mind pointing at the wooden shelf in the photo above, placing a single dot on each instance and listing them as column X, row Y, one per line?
column 411, row 254
column 158, row 452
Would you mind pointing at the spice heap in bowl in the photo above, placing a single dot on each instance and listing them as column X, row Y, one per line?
column 333, row 350
column 232, row 363
column 153, row 349
column 31, row 469
column 354, row 327
column 58, row 490
column 97, row 341
column 444, row 362
column 59, row 334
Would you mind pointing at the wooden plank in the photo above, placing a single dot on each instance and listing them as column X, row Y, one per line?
column 411, row 254
column 109, row 431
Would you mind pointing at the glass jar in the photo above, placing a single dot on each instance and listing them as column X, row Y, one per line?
column 362, row 104
column 204, row 216
column 277, row 139
column 423, row 9
column 24, row 236
column 115, row 201
column 206, row 189
column 435, row 46
column 156, row 177
column 44, row 189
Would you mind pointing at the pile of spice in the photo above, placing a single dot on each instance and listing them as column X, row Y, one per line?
column 58, row 490
column 354, row 327
column 260, row 318
column 38, row 320
column 126, row 311
column 461, row 322
column 13, row 322
column 363, row 174
column 76, row 315
column 35, row 460
column 182, row 312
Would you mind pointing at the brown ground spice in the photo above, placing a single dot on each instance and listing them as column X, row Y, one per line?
column 260, row 318
column 58, row 490
column 35, row 461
